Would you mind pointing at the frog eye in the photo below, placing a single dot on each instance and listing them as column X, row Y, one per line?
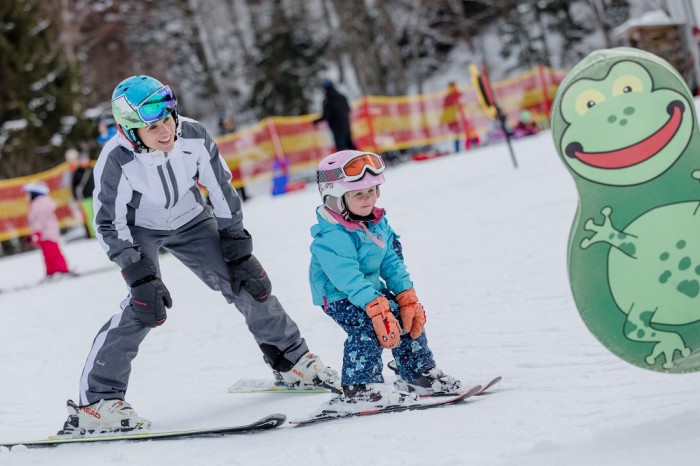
column 587, row 100
column 626, row 84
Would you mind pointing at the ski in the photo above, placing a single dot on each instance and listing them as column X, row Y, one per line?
column 392, row 365
column 57, row 279
column 491, row 383
column 268, row 422
column 328, row 415
column 484, row 388
column 269, row 386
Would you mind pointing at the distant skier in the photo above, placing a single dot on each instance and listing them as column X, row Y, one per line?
column 83, row 184
column 526, row 126
column 358, row 276
column 146, row 198
column 106, row 129
column 44, row 228
column 336, row 111
column 451, row 107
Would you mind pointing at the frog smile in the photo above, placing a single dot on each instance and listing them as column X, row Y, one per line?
column 637, row 152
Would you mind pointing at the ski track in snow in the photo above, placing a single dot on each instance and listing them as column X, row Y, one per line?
column 486, row 246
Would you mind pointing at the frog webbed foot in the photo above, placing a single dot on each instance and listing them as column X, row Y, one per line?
column 667, row 346
column 605, row 229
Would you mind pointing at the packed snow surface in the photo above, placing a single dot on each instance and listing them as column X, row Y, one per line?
column 486, row 245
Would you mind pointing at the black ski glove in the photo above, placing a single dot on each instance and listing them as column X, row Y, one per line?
column 236, row 246
column 149, row 296
column 243, row 267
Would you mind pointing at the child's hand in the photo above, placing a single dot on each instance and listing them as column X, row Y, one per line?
column 412, row 312
column 385, row 324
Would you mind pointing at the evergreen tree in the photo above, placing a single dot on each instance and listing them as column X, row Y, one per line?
column 607, row 14
column 39, row 92
column 522, row 35
column 172, row 31
column 616, row 12
column 571, row 29
column 286, row 67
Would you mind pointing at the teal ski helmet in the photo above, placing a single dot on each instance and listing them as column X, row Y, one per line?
column 141, row 101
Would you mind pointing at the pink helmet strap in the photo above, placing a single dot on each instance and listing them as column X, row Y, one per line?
column 350, row 224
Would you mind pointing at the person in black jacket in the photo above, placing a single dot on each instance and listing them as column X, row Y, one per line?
column 83, row 184
column 336, row 111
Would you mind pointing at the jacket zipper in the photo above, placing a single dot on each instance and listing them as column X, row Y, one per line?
column 167, row 187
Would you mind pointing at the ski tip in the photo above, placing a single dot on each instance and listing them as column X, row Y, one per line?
column 491, row 383
column 459, row 396
column 473, row 391
column 272, row 421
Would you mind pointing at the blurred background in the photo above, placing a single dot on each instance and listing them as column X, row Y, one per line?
column 252, row 72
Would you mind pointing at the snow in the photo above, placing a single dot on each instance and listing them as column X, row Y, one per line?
column 650, row 18
column 486, row 245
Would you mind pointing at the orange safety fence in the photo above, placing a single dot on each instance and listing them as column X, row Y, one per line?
column 14, row 202
column 293, row 145
column 290, row 144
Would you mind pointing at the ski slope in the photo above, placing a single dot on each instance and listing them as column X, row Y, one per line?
column 486, row 246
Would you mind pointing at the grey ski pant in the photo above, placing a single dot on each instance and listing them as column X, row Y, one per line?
column 108, row 366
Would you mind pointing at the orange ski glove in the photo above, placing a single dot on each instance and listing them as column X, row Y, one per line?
column 385, row 324
column 412, row 312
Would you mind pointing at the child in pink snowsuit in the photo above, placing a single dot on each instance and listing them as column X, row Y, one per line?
column 44, row 227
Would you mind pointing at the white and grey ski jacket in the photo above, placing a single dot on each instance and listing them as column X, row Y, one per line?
column 158, row 190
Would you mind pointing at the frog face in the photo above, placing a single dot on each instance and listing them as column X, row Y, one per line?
column 620, row 130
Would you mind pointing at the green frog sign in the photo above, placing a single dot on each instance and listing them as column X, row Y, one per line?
column 625, row 126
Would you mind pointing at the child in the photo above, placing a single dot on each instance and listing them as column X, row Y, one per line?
column 44, row 228
column 526, row 126
column 357, row 274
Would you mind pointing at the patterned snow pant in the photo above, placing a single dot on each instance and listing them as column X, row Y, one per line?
column 362, row 361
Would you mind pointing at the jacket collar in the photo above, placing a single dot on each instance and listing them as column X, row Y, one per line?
column 335, row 218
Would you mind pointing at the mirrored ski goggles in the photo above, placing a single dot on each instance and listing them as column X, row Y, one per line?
column 354, row 169
column 156, row 106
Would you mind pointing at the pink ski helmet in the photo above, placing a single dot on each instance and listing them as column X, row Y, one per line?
column 347, row 170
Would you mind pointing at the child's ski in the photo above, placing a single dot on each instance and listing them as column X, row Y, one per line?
column 493, row 382
column 329, row 415
column 266, row 423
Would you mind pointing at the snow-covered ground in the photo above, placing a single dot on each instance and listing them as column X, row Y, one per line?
column 486, row 245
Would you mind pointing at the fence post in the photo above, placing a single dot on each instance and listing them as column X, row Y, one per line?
column 280, row 170
column 366, row 114
column 545, row 92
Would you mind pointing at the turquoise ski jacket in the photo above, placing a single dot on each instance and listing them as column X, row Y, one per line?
column 352, row 261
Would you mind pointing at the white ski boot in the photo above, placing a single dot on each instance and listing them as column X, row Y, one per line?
column 431, row 382
column 309, row 371
column 102, row 418
column 362, row 397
